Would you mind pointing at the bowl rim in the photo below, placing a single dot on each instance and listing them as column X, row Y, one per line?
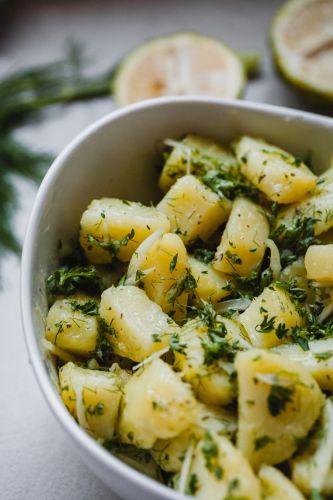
column 80, row 438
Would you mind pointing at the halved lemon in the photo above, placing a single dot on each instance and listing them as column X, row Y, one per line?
column 302, row 40
column 179, row 64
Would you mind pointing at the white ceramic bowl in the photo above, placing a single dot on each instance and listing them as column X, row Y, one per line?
column 115, row 157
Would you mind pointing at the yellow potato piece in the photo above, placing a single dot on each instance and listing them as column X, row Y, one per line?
column 278, row 174
column 242, row 246
column 92, row 397
column 319, row 206
column 170, row 453
column 221, row 471
column 195, row 155
column 319, row 263
column 193, row 209
column 156, row 405
column 139, row 326
column 160, row 269
column 278, row 403
column 272, row 309
column 276, row 486
column 118, row 225
column 211, row 383
column 318, row 360
column 69, row 328
column 211, row 284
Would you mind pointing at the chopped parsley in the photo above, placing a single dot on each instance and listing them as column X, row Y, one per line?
column 228, row 185
column 267, row 324
column 294, row 239
column 89, row 308
column 66, row 281
column 187, row 284
column 173, row 263
column 193, row 484
column 176, row 345
column 210, row 450
column 113, row 246
column 203, row 255
column 278, row 398
column 262, row 441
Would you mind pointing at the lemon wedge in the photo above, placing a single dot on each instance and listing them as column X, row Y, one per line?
column 179, row 64
column 302, row 41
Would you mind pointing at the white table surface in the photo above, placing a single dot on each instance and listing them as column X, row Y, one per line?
column 36, row 459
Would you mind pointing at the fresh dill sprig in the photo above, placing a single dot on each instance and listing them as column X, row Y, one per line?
column 23, row 96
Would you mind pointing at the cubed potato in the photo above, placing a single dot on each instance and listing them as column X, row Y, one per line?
column 211, row 284
column 276, row 486
column 115, row 228
column 170, row 453
column 211, row 383
column 278, row 403
column 219, row 470
column 242, row 246
column 161, row 267
column 69, row 328
column 193, row 209
column 282, row 177
column 319, row 206
column 311, row 467
column 318, row 360
column 92, row 397
column 268, row 316
column 138, row 326
column 194, row 155
column 156, row 405
column 319, row 263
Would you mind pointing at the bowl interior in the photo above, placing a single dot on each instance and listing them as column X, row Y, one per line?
column 117, row 157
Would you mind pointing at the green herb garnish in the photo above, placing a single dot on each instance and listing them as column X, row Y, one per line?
column 278, row 399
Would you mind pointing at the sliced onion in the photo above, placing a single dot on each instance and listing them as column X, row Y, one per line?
column 275, row 262
column 326, row 312
column 151, row 358
column 237, row 304
column 185, row 470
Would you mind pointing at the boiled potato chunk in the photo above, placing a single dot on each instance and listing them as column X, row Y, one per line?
column 170, row 453
column 270, row 313
column 318, row 360
column 276, row 486
column 68, row 328
column 219, row 470
column 319, row 206
column 242, row 246
column 160, row 268
column 115, row 228
column 211, row 383
column 138, row 326
column 193, row 209
column 282, row 177
column 156, row 405
column 195, row 155
column 310, row 468
column 211, row 284
column 319, row 263
column 278, row 403
column 92, row 397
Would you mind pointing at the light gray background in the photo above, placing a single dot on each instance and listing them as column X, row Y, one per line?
column 36, row 460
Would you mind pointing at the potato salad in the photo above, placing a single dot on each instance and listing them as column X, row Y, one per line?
column 194, row 339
